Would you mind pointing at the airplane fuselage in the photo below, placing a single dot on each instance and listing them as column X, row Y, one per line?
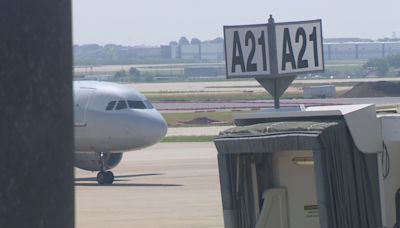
column 118, row 129
column 111, row 119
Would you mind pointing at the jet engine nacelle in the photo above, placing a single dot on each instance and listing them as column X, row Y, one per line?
column 92, row 161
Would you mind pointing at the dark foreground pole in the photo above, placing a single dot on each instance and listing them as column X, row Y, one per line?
column 273, row 60
column 36, row 134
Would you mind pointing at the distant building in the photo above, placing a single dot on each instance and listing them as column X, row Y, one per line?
column 370, row 50
column 212, row 51
column 190, row 51
column 170, row 51
column 339, row 51
column 360, row 50
column 346, row 40
column 147, row 52
column 334, row 49
column 392, row 48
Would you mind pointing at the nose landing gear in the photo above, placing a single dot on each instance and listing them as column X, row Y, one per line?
column 104, row 177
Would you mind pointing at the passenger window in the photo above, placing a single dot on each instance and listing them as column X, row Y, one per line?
column 111, row 105
column 136, row 105
column 121, row 105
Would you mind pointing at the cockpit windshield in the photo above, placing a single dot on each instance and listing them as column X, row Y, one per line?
column 148, row 104
column 140, row 104
column 136, row 104
column 111, row 105
column 121, row 105
column 129, row 104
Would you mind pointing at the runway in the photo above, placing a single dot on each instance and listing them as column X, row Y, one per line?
column 167, row 185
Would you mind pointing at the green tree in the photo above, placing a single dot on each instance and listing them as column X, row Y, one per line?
column 134, row 71
column 135, row 74
column 148, row 79
column 381, row 66
column 120, row 75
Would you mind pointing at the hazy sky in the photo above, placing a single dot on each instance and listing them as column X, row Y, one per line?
column 155, row 22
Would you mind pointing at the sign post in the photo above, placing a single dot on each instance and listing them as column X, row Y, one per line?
column 274, row 62
column 274, row 53
column 273, row 90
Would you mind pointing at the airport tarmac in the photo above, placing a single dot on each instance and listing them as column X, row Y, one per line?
column 166, row 185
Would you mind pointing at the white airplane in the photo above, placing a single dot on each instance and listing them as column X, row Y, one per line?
column 111, row 119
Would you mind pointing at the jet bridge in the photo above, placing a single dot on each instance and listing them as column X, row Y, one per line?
column 325, row 167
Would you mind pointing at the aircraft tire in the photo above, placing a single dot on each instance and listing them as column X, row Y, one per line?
column 109, row 177
column 105, row 178
column 101, row 178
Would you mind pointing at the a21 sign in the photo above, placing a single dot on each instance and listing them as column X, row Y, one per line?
column 296, row 48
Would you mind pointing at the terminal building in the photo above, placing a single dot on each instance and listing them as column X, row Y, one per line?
column 202, row 51
column 360, row 50
column 334, row 49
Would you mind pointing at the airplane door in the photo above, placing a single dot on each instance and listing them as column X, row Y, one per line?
column 82, row 98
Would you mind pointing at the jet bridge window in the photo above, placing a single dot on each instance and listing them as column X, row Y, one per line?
column 121, row 105
column 111, row 105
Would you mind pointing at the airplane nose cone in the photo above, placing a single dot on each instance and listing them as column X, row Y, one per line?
column 155, row 128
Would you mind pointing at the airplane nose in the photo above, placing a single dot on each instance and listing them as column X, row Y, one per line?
column 155, row 128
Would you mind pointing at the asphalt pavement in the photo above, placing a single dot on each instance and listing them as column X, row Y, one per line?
column 169, row 185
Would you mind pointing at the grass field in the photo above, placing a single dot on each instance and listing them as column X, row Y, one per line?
column 223, row 96
column 218, row 97
column 293, row 85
